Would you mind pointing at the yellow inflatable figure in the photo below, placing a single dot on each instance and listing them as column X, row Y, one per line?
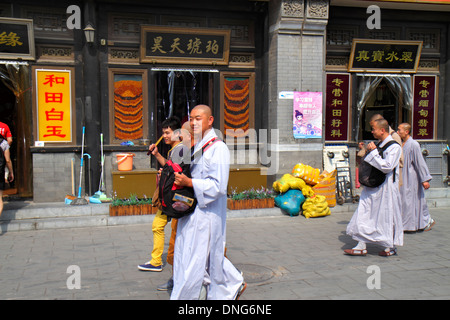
column 288, row 181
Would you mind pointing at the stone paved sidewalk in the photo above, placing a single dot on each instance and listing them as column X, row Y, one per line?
column 282, row 258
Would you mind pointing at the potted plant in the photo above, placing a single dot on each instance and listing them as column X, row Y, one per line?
column 251, row 199
column 131, row 206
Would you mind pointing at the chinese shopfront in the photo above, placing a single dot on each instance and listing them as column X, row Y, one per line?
column 394, row 71
column 144, row 63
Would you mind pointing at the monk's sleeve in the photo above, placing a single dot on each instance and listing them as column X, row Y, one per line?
column 214, row 181
column 389, row 162
column 420, row 165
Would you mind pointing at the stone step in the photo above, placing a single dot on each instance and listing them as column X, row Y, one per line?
column 21, row 216
column 72, row 222
column 29, row 210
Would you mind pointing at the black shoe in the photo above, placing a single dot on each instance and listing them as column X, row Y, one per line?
column 166, row 286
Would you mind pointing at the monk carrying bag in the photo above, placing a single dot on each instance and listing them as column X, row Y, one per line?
column 370, row 176
column 177, row 201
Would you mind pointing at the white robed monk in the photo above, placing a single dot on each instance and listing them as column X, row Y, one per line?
column 378, row 218
column 416, row 178
column 200, row 269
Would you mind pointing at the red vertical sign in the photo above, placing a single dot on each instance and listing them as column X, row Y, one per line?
column 424, row 107
column 337, row 106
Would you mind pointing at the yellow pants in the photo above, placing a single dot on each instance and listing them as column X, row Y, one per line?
column 159, row 223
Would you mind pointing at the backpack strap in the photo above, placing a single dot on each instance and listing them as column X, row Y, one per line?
column 204, row 148
column 383, row 148
column 387, row 145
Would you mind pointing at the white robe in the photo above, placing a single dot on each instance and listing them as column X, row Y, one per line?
column 378, row 218
column 200, row 241
column 415, row 171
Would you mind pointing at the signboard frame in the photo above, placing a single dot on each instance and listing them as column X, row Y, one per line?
column 19, row 25
column 38, row 107
column 383, row 46
column 418, row 108
column 169, row 51
column 334, row 102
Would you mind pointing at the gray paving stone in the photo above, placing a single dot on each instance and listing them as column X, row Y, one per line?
column 304, row 256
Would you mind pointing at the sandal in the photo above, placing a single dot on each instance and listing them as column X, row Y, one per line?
column 355, row 252
column 241, row 290
column 430, row 225
column 385, row 253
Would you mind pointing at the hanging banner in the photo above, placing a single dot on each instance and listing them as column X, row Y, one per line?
column 54, row 105
column 337, row 101
column 424, row 107
column 307, row 120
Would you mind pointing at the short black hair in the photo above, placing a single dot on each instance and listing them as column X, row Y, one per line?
column 172, row 122
column 382, row 124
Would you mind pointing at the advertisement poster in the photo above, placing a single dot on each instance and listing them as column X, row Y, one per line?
column 307, row 122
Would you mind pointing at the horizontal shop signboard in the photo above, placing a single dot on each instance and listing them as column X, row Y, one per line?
column 16, row 39
column 393, row 56
column 184, row 45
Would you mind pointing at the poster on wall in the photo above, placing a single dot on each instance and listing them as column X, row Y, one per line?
column 307, row 116
column 424, row 107
column 54, row 105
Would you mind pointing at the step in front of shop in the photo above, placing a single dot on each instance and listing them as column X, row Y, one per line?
column 28, row 216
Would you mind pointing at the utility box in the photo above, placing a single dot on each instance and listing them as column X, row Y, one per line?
column 139, row 182
column 243, row 178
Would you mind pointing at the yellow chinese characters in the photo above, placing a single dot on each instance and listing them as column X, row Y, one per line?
column 382, row 56
column 193, row 46
column 337, row 101
column 10, row 39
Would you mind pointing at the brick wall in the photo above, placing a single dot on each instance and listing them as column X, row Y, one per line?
column 52, row 176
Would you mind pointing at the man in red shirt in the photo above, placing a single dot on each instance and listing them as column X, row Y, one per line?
column 5, row 132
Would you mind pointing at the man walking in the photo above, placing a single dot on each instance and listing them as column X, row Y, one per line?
column 200, row 269
column 378, row 218
column 169, row 127
column 416, row 177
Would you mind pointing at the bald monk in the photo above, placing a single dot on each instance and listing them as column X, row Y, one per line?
column 200, row 270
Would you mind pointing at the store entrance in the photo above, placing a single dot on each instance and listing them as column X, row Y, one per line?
column 8, row 116
column 381, row 102
column 388, row 96
column 177, row 92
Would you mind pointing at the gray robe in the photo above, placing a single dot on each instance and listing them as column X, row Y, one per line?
column 415, row 171
column 200, row 241
column 378, row 218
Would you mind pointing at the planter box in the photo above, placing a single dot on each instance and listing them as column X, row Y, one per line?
column 250, row 204
column 132, row 210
